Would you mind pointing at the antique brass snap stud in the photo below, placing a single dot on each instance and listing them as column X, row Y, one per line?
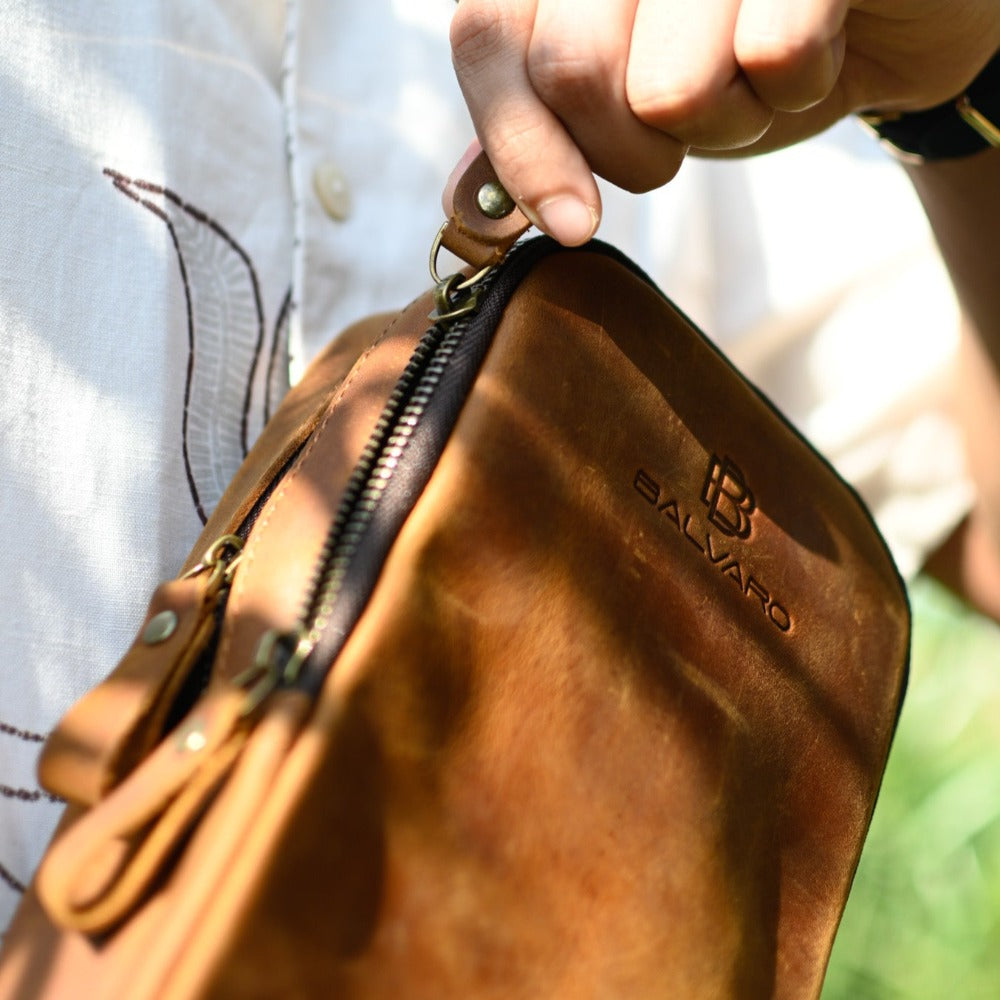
column 493, row 201
column 160, row 628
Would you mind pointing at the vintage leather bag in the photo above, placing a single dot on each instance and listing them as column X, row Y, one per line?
column 530, row 654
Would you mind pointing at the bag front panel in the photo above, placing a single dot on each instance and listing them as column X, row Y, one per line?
column 571, row 747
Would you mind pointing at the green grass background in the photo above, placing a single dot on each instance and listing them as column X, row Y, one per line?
column 923, row 919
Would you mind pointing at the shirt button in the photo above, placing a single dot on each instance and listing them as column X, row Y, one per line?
column 333, row 191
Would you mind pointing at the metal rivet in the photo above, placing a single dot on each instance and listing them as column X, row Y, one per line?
column 192, row 737
column 493, row 201
column 160, row 628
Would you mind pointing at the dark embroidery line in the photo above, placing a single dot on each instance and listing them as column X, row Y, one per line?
column 22, row 734
column 188, row 471
column 120, row 182
column 13, row 883
column 28, row 794
column 129, row 187
column 275, row 388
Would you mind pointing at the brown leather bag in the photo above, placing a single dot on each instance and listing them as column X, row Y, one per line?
column 531, row 654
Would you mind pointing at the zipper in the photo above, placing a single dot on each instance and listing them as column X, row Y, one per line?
column 221, row 560
column 395, row 465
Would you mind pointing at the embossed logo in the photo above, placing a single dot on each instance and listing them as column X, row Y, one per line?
column 731, row 506
column 728, row 498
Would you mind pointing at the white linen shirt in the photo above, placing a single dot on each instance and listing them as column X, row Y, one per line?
column 196, row 195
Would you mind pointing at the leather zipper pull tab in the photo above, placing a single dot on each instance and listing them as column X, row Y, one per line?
column 108, row 732
column 102, row 865
column 485, row 222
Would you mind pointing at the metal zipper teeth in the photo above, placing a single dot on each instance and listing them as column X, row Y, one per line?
column 378, row 462
column 399, row 421
column 200, row 675
column 392, row 433
column 385, row 447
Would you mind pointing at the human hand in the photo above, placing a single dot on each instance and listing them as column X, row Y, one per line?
column 560, row 90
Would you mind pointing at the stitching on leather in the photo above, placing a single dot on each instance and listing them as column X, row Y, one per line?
column 260, row 529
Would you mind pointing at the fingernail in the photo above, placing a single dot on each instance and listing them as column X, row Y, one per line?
column 568, row 219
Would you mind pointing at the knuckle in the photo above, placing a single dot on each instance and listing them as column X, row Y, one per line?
column 651, row 177
column 779, row 51
column 637, row 161
column 663, row 104
column 567, row 75
column 480, row 30
column 791, row 73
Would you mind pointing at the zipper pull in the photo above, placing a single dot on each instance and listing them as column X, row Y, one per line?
column 279, row 659
column 485, row 223
column 221, row 560
column 103, row 864
column 450, row 303
column 106, row 734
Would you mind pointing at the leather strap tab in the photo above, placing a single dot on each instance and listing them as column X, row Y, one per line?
column 471, row 235
column 114, row 726
column 111, row 728
column 102, row 865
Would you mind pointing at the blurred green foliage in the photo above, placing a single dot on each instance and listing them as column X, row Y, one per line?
column 923, row 920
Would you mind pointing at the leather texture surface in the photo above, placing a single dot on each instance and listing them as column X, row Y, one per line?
column 612, row 724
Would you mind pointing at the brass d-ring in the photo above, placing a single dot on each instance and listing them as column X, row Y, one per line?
column 466, row 283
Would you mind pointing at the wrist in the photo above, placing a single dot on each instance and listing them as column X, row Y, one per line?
column 961, row 127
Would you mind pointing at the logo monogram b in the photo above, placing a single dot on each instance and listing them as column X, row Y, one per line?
column 728, row 498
